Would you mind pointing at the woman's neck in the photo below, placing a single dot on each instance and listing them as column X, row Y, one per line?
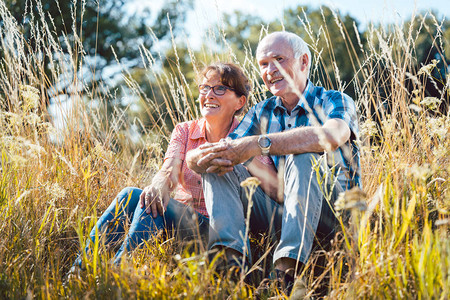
column 217, row 131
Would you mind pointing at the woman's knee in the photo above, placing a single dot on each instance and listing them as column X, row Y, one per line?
column 124, row 204
column 129, row 196
column 126, row 192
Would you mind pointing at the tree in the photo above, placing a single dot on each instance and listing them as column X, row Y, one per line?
column 166, row 94
column 333, row 39
column 243, row 32
column 93, row 33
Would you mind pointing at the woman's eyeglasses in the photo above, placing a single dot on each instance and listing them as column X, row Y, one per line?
column 219, row 90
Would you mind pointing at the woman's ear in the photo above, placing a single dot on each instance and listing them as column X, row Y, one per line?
column 241, row 102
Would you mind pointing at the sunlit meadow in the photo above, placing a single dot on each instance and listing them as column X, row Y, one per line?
column 55, row 179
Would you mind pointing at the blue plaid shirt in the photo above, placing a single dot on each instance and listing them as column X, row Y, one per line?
column 270, row 116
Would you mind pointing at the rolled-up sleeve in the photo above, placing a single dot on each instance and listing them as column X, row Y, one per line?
column 177, row 144
column 340, row 106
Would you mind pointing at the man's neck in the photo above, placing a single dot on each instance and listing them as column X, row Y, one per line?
column 290, row 102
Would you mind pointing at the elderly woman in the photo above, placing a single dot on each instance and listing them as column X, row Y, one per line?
column 223, row 94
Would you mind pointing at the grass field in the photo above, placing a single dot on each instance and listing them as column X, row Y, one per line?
column 396, row 245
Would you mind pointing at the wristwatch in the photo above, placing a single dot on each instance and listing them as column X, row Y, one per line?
column 264, row 143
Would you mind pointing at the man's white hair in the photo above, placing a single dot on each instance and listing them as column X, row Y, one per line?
column 298, row 45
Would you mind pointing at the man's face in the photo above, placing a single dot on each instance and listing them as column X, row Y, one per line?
column 279, row 50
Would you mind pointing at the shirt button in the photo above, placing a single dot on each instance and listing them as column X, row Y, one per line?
column 289, row 125
column 199, row 182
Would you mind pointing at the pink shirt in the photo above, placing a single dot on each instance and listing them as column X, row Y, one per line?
column 187, row 136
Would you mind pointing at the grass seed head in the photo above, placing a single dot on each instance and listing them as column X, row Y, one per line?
column 30, row 97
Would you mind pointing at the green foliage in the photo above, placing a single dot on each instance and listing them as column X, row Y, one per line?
column 97, row 33
column 395, row 243
column 332, row 38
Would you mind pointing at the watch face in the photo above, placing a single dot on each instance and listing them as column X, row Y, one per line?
column 264, row 142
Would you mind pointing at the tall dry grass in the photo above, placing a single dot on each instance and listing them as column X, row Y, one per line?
column 396, row 244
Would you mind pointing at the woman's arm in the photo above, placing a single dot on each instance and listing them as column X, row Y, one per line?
column 155, row 197
column 192, row 157
column 268, row 176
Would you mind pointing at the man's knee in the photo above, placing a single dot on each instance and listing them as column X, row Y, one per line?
column 303, row 161
column 209, row 177
column 300, row 174
column 233, row 176
column 224, row 187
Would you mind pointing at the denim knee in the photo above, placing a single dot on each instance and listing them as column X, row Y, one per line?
column 125, row 193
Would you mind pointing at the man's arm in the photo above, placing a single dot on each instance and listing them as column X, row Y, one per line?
column 333, row 134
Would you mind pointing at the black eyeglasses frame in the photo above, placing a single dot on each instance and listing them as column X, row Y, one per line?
column 202, row 87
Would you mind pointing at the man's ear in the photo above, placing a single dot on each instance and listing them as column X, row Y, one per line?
column 304, row 61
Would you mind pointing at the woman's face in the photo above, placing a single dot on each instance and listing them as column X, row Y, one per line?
column 220, row 108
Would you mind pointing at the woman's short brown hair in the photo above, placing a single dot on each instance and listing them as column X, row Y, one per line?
column 231, row 76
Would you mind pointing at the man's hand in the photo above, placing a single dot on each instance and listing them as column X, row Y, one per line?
column 199, row 154
column 212, row 158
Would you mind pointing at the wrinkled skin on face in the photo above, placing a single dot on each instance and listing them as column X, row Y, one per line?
column 284, row 75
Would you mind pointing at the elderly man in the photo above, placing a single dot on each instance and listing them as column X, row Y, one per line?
column 295, row 127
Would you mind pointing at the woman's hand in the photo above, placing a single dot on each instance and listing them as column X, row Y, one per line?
column 156, row 196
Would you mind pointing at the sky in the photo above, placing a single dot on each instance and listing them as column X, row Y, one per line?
column 207, row 12
column 365, row 11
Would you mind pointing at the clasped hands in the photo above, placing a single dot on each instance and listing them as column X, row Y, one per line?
column 219, row 157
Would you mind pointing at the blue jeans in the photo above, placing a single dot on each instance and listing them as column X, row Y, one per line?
column 304, row 216
column 125, row 208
